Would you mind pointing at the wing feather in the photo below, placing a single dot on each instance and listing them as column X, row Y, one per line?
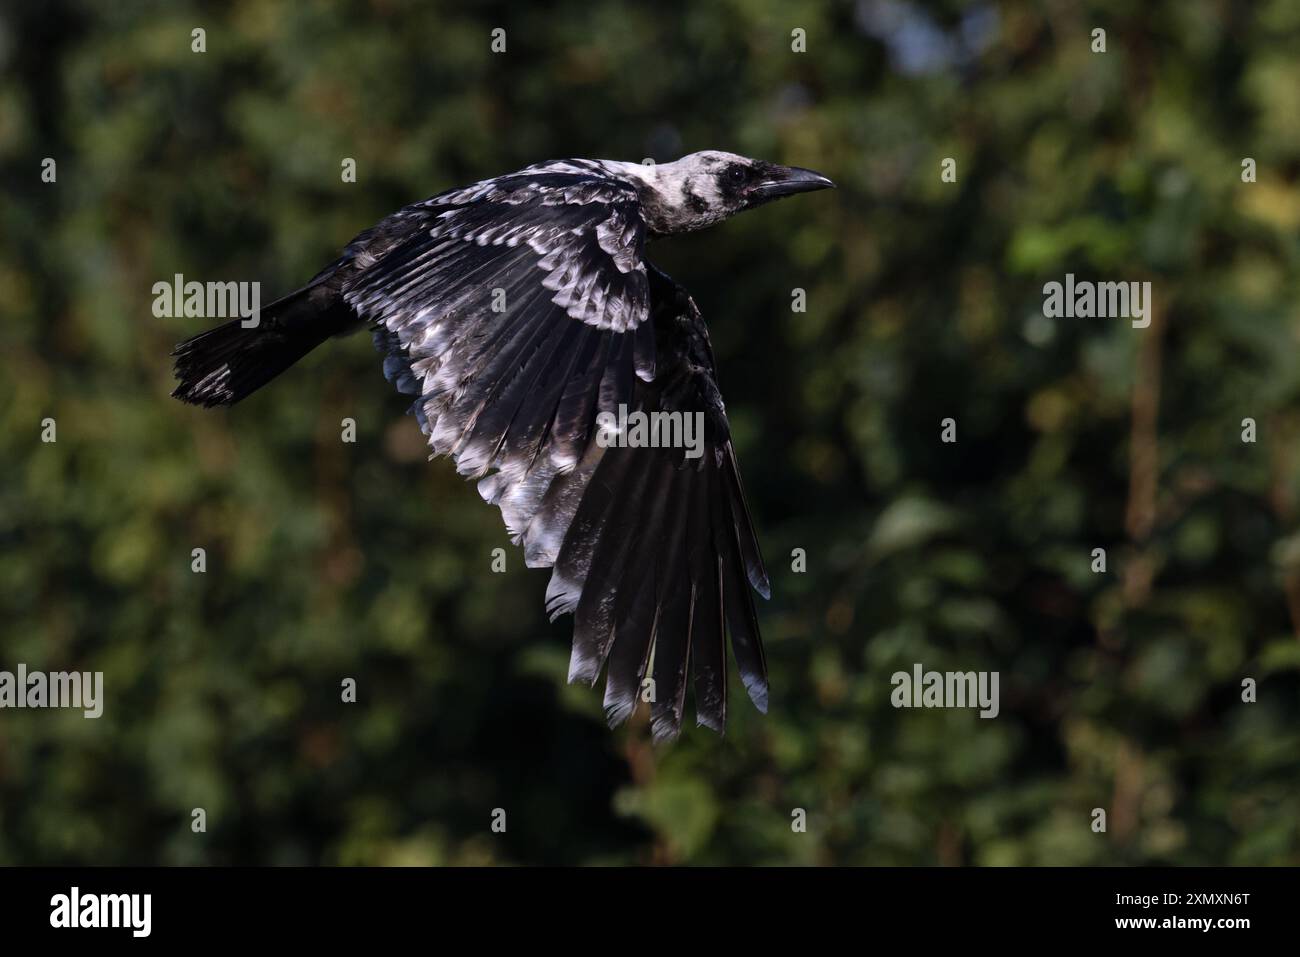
column 517, row 310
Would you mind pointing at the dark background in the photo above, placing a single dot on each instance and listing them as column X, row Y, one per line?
column 328, row 560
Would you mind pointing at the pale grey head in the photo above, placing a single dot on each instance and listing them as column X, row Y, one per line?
column 704, row 188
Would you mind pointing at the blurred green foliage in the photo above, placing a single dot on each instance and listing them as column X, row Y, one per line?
column 325, row 560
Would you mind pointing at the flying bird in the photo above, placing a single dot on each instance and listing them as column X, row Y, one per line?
column 517, row 311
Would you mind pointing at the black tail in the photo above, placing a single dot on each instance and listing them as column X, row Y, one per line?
column 225, row 364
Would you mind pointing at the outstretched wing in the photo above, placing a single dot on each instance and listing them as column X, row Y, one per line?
column 516, row 312
column 659, row 553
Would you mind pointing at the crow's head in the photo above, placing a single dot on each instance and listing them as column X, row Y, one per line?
column 707, row 187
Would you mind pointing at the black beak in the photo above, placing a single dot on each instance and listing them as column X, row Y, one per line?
column 778, row 181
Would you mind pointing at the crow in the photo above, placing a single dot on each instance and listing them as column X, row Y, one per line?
column 517, row 312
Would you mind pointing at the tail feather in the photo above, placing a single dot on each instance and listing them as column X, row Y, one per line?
column 228, row 363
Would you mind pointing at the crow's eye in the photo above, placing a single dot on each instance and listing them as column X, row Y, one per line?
column 736, row 175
